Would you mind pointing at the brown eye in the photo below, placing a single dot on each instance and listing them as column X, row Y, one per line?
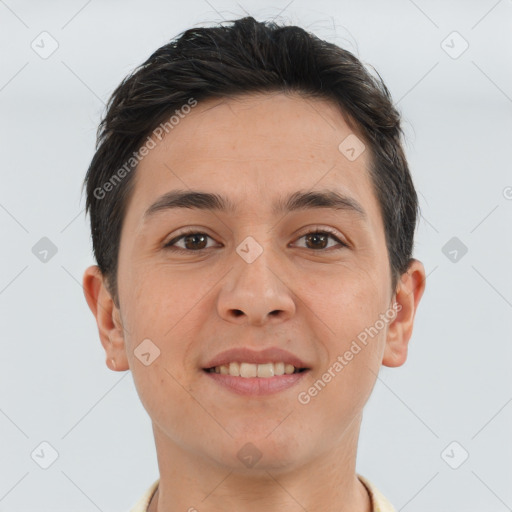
column 318, row 240
column 190, row 242
column 195, row 241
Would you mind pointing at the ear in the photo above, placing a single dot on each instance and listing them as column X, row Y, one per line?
column 108, row 318
column 408, row 294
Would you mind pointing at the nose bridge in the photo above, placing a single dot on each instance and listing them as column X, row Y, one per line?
column 254, row 289
column 254, row 265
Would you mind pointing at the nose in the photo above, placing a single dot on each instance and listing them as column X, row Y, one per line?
column 256, row 292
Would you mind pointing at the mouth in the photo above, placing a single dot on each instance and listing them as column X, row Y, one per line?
column 250, row 370
column 255, row 380
column 245, row 371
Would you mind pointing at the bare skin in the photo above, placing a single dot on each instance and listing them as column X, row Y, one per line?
column 301, row 294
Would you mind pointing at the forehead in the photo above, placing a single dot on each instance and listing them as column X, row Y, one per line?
column 259, row 126
column 252, row 148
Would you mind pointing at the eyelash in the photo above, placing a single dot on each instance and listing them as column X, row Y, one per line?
column 170, row 245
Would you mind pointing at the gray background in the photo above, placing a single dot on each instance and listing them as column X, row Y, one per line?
column 456, row 384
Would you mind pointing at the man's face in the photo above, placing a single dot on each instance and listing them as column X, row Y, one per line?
column 255, row 277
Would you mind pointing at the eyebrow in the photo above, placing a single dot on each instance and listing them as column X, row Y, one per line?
column 301, row 200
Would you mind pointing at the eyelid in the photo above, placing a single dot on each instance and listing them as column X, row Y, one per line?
column 316, row 228
column 341, row 240
column 181, row 234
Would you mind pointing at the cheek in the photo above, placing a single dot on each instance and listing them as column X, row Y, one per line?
column 353, row 306
column 160, row 312
column 169, row 310
column 348, row 300
column 159, row 301
column 167, row 399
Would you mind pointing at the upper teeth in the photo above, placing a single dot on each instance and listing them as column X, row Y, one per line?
column 255, row 370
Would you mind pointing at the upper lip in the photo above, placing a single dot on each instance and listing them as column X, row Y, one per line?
column 246, row 355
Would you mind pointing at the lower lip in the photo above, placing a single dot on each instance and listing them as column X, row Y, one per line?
column 257, row 386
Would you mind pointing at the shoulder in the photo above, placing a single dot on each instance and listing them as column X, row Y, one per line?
column 379, row 501
column 143, row 502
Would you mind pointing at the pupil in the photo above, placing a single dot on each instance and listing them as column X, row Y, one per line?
column 193, row 238
column 315, row 237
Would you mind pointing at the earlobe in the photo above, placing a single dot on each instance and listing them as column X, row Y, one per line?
column 408, row 294
column 108, row 318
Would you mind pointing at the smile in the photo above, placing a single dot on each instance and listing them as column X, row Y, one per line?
column 256, row 379
column 248, row 370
